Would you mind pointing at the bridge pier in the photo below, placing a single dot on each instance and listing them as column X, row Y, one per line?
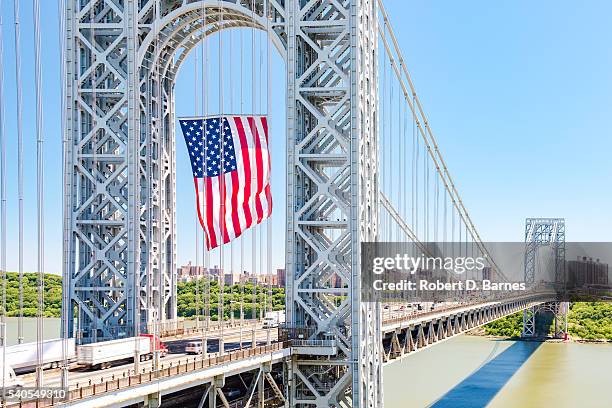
column 559, row 311
column 152, row 400
column 215, row 387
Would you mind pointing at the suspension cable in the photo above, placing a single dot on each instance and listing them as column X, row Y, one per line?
column 205, row 237
column 3, row 331
column 242, row 238
column 253, row 231
column 19, row 108
column 197, row 227
column 67, row 309
column 221, row 285
column 428, row 138
column 40, row 193
column 231, row 109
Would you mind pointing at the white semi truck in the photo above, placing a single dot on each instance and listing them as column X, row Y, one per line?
column 273, row 319
column 23, row 357
column 104, row 353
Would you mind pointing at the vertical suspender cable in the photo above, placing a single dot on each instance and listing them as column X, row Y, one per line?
column 220, row 308
column 390, row 141
column 197, row 226
column 66, row 305
column 3, row 331
column 383, row 168
column 242, row 238
column 400, row 161
column 426, row 192
column 231, row 110
column 405, row 159
column 19, row 108
column 413, row 173
column 269, row 122
column 39, row 193
column 416, row 186
column 205, row 252
column 253, row 231
column 260, row 226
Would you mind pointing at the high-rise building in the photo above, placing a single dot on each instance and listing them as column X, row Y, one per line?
column 281, row 277
column 585, row 271
column 189, row 272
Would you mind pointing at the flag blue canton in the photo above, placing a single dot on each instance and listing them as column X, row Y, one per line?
column 210, row 145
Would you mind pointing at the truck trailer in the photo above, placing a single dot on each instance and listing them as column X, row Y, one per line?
column 273, row 319
column 23, row 357
column 103, row 354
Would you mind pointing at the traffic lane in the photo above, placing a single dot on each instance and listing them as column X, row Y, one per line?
column 83, row 375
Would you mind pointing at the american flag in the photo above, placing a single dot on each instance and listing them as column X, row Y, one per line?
column 231, row 170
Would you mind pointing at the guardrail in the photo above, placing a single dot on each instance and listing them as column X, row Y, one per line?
column 186, row 331
column 313, row 343
column 88, row 391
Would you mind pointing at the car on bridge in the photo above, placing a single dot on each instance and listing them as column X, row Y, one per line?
column 194, row 347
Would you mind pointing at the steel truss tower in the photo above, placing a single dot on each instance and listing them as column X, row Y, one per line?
column 122, row 58
column 540, row 232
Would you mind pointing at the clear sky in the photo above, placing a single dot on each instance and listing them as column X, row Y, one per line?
column 518, row 94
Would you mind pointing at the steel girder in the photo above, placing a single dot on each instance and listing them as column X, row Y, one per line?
column 411, row 336
column 332, row 201
column 119, row 223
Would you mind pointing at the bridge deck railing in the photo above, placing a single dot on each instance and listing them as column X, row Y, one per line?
column 416, row 314
column 90, row 390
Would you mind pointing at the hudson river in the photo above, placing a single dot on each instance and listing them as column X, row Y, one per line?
column 470, row 371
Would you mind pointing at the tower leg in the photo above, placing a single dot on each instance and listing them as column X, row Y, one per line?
column 529, row 319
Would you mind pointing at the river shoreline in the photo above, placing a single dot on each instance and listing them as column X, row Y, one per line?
column 479, row 332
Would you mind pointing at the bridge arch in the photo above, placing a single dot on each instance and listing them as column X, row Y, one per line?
column 172, row 35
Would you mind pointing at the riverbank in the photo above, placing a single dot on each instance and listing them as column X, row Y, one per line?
column 587, row 322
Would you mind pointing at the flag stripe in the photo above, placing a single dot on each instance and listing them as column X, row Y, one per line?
column 244, row 148
column 258, row 167
column 209, row 207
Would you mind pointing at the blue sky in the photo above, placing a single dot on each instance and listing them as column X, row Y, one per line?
column 517, row 93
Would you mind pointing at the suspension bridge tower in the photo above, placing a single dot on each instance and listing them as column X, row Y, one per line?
column 122, row 59
column 539, row 233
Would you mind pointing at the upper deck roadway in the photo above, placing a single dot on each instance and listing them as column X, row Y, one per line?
column 403, row 333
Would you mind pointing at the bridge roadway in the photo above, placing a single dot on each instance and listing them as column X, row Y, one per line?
column 80, row 376
column 403, row 333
